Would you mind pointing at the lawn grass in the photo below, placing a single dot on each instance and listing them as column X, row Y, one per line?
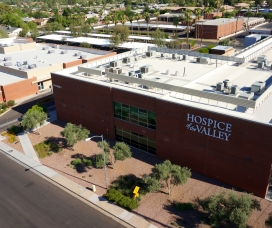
column 47, row 148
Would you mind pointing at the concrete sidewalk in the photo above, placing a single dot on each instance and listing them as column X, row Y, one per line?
column 27, row 147
column 106, row 207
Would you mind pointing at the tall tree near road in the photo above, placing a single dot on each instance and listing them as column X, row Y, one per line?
column 188, row 19
column 146, row 17
column 137, row 18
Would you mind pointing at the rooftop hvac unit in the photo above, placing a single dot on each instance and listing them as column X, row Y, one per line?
column 174, row 56
column 261, row 65
column 23, row 68
column 226, row 83
column 32, row 66
column 117, row 71
column 51, row 51
column 7, row 58
column 24, row 62
column 128, row 60
column 150, row 53
column 8, row 64
column 246, row 95
column 146, row 69
column 261, row 58
column 219, row 86
column 204, row 60
column 116, row 63
column 83, row 56
column 107, row 69
column 64, row 52
column 257, row 87
column 141, row 75
column 78, row 54
column 18, row 64
column 198, row 59
column 234, row 89
column 131, row 73
column 45, row 48
column 184, row 57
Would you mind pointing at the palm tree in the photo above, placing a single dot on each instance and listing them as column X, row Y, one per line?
column 146, row 16
column 115, row 18
column 107, row 22
column 137, row 18
column 198, row 13
column 188, row 19
column 123, row 18
column 176, row 22
column 131, row 18
column 208, row 10
column 156, row 14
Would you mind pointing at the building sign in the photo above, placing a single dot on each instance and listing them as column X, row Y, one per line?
column 57, row 86
column 209, row 127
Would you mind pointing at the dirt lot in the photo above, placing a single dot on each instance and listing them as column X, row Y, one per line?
column 155, row 207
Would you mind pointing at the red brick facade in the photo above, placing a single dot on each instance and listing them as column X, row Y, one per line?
column 19, row 89
column 244, row 161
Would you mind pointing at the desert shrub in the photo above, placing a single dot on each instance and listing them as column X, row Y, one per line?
column 12, row 138
column 15, row 130
column 4, row 105
column 87, row 162
column 210, row 46
column 184, row 206
column 99, row 160
column 76, row 162
column 203, row 50
column 121, row 200
column 192, row 43
column 11, row 103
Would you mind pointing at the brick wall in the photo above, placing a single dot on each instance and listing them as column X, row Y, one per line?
column 99, row 57
column 72, row 63
column 19, row 89
column 244, row 161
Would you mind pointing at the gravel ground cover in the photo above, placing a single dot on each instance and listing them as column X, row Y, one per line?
column 155, row 207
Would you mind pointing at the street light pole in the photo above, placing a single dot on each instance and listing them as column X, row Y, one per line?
column 105, row 171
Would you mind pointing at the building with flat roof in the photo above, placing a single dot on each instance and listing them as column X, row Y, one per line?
column 26, row 66
column 206, row 112
column 221, row 27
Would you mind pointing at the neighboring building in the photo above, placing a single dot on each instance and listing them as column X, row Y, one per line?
column 41, row 21
column 179, row 110
column 11, row 31
column 223, row 50
column 28, row 19
column 242, row 5
column 211, row 16
column 228, row 8
column 26, row 66
column 221, row 27
column 251, row 39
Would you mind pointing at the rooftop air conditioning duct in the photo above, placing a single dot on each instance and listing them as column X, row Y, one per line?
column 219, row 86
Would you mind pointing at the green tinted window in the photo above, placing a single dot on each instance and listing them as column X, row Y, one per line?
column 135, row 115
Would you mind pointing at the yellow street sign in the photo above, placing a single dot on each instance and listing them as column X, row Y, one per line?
column 136, row 189
column 136, row 195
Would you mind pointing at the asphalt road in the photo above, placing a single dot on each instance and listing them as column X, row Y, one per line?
column 29, row 201
column 12, row 116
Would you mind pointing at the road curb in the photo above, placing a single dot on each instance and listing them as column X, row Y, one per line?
column 128, row 218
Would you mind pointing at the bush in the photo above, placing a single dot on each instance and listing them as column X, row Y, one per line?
column 85, row 45
column 77, row 162
column 87, row 162
column 4, row 105
column 203, row 50
column 12, row 138
column 183, row 206
column 11, row 103
column 99, row 160
column 15, row 130
column 192, row 43
column 210, row 46
column 121, row 200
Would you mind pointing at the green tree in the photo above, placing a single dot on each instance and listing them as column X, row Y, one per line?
column 170, row 175
column 176, row 22
column 158, row 38
column 120, row 34
column 121, row 151
column 225, row 42
column 175, row 44
column 131, row 18
column 33, row 118
column 157, row 15
column 152, row 184
column 268, row 221
column 146, row 17
column 3, row 34
column 230, row 208
column 73, row 134
column 137, row 18
column 99, row 158
column 188, row 19
column 5, row 9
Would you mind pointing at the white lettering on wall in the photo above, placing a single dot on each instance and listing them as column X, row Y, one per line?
column 57, row 86
column 210, row 127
